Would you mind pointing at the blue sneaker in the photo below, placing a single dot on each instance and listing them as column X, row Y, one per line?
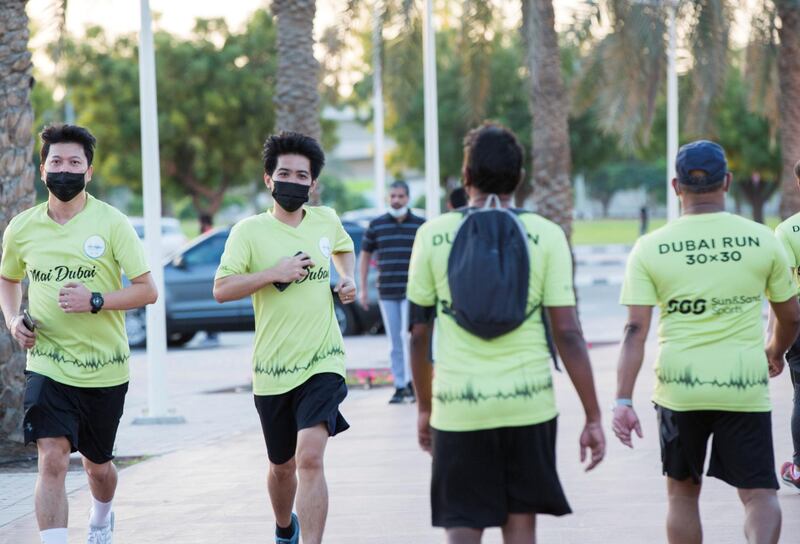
column 295, row 533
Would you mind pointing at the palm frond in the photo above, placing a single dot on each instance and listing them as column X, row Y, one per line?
column 475, row 49
column 624, row 72
column 709, row 41
column 761, row 63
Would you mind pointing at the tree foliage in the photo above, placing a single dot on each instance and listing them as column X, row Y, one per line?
column 215, row 105
column 479, row 77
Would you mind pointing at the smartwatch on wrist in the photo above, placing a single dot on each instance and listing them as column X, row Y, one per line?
column 97, row 302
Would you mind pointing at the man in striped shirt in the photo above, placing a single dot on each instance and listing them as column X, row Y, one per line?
column 392, row 235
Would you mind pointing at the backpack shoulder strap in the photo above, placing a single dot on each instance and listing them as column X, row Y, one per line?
column 548, row 335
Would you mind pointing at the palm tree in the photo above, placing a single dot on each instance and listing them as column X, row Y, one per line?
column 552, row 192
column 624, row 74
column 789, row 101
column 773, row 76
column 16, row 188
column 297, row 88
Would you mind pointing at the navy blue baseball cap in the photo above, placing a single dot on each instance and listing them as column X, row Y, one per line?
column 701, row 155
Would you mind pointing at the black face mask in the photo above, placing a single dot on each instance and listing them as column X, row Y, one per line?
column 65, row 185
column 289, row 195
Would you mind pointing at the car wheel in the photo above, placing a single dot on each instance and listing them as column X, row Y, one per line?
column 346, row 319
column 179, row 339
column 136, row 327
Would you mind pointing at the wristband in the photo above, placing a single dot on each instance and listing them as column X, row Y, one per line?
column 623, row 402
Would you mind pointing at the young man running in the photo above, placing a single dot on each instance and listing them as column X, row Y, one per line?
column 73, row 248
column 708, row 272
column 282, row 258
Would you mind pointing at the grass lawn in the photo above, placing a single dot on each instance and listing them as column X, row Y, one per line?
column 619, row 231
column 594, row 232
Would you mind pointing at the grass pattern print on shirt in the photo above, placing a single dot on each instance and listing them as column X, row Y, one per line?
column 471, row 395
column 90, row 363
column 687, row 379
column 277, row 370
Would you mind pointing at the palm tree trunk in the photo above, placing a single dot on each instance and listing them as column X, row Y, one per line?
column 552, row 191
column 16, row 189
column 789, row 102
column 297, row 89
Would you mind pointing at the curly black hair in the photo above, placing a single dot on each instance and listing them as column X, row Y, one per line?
column 293, row 143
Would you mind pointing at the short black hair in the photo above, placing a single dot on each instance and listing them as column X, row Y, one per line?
column 400, row 184
column 293, row 143
column 493, row 158
column 59, row 134
column 699, row 183
column 458, row 198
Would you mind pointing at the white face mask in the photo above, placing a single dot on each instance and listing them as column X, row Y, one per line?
column 399, row 212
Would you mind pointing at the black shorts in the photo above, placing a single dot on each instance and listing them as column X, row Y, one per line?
column 87, row 416
column 480, row 477
column 741, row 451
column 282, row 416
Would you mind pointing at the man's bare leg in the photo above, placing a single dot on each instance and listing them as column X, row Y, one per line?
column 102, row 479
column 520, row 529
column 762, row 524
column 312, row 492
column 52, row 509
column 103, row 485
column 464, row 535
column 683, row 514
column 282, row 486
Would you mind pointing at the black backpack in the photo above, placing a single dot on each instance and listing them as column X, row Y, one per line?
column 488, row 272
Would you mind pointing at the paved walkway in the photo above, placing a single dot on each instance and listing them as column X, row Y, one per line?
column 212, row 490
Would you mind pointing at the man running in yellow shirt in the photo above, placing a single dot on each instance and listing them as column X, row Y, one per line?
column 788, row 233
column 73, row 248
column 708, row 272
column 488, row 415
column 282, row 258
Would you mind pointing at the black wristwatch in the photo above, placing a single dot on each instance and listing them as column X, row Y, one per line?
column 97, row 302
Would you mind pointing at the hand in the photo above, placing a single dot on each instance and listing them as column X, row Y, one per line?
column 24, row 337
column 291, row 269
column 424, row 431
column 75, row 298
column 625, row 421
column 775, row 361
column 363, row 299
column 346, row 289
column 593, row 438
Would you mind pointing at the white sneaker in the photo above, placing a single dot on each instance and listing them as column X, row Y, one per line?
column 102, row 535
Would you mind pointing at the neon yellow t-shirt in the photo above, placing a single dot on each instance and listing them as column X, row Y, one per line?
column 81, row 349
column 788, row 233
column 506, row 381
column 297, row 335
column 708, row 274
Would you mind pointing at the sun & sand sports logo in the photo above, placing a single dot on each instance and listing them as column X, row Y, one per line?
column 714, row 305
